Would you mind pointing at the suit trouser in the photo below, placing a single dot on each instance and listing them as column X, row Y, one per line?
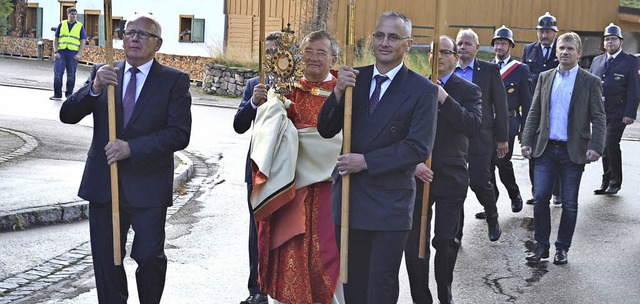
column 505, row 170
column 147, row 250
column 446, row 226
column 252, row 283
column 612, row 158
column 374, row 264
column 481, row 151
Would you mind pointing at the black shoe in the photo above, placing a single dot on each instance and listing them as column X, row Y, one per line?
column 561, row 257
column 494, row 230
column 531, row 201
column 557, row 200
column 54, row 97
column 516, row 204
column 256, row 299
column 614, row 187
column 539, row 253
column 481, row 215
column 602, row 189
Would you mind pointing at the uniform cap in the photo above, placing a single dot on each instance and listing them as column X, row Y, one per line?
column 547, row 22
column 503, row 33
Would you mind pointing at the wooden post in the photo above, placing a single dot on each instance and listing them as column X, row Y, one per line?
column 435, row 51
column 261, row 47
column 115, row 199
column 346, row 146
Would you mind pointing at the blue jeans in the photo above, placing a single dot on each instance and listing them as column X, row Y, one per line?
column 68, row 63
column 554, row 162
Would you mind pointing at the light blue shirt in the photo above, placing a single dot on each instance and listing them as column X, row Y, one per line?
column 561, row 92
column 467, row 72
column 445, row 78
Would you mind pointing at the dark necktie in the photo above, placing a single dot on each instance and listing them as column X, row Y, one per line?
column 547, row 53
column 129, row 99
column 500, row 63
column 608, row 62
column 375, row 97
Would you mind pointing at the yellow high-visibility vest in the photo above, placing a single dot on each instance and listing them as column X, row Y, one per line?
column 69, row 39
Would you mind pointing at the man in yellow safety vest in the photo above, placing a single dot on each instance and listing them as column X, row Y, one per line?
column 67, row 49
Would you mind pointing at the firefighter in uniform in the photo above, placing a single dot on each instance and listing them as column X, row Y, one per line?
column 519, row 86
column 620, row 93
column 541, row 56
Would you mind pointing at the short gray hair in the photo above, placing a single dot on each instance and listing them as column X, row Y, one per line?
column 319, row 35
column 468, row 33
column 149, row 17
column 396, row 15
column 571, row 37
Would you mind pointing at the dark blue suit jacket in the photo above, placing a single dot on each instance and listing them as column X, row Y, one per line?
column 519, row 87
column 159, row 125
column 532, row 56
column 397, row 136
column 245, row 116
column 458, row 119
column 620, row 84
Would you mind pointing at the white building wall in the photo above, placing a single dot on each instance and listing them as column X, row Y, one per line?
column 166, row 11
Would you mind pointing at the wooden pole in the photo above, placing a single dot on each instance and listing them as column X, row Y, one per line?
column 346, row 146
column 435, row 51
column 261, row 48
column 115, row 199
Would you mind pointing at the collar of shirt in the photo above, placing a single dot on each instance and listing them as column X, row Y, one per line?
column 505, row 61
column 144, row 69
column 328, row 78
column 445, row 78
column 391, row 74
column 570, row 73
column 614, row 55
column 469, row 66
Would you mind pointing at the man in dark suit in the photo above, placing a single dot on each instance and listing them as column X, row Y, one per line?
column 564, row 130
column 153, row 120
column 540, row 56
column 459, row 115
column 255, row 94
column 621, row 91
column 493, row 135
column 517, row 82
column 394, row 124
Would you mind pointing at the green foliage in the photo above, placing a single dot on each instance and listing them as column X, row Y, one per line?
column 6, row 9
column 630, row 3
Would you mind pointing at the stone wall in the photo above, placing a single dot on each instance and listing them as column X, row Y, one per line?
column 225, row 81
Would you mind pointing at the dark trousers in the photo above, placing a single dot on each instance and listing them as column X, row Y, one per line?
column 252, row 284
column 446, row 244
column 505, row 170
column 481, row 151
column 68, row 63
column 147, row 250
column 612, row 158
column 374, row 263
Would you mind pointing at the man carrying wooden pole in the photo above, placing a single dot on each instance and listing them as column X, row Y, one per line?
column 152, row 120
column 394, row 115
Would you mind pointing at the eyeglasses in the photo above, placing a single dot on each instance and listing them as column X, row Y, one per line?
column 379, row 36
column 141, row 34
column 319, row 54
column 447, row 52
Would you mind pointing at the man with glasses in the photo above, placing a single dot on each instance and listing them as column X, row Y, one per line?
column 621, row 93
column 394, row 123
column 68, row 45
column 153, row 120
column 493, row 135
column 517, row 82
column 459, row 115
column 255, row 94
column 297, row 252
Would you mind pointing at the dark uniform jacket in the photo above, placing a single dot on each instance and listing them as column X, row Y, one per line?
column 620, row 84
column 519, row 87
column 532, row 56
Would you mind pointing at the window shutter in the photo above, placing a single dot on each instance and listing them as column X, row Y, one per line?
column 39, row 23
column 197, row 30
column 101, row 35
